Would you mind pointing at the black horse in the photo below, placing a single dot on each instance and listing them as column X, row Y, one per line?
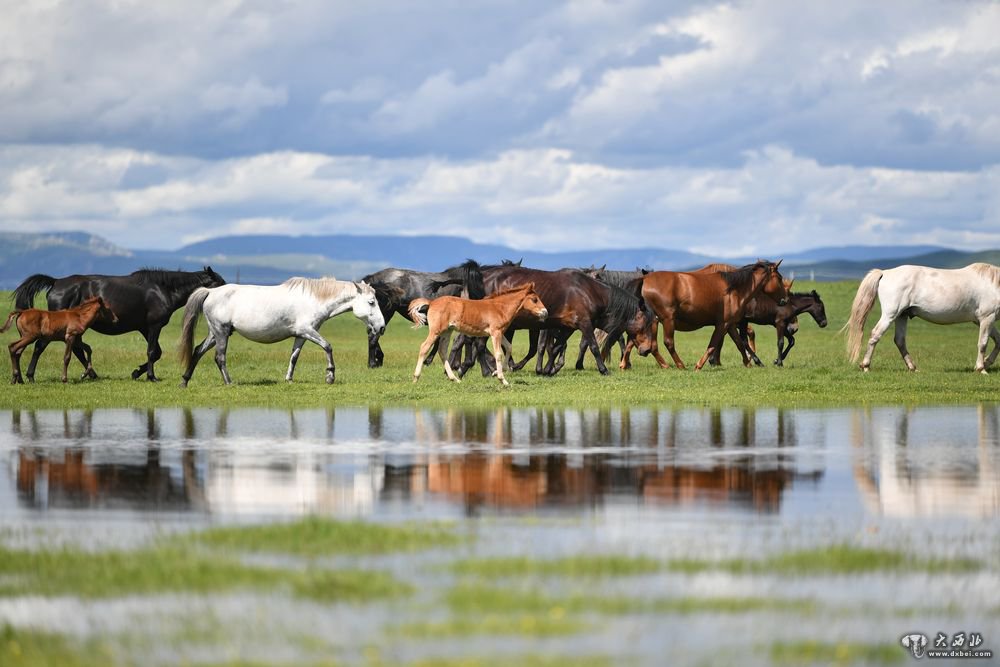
column 396, row 288
column 762, row 310
column 143, row 301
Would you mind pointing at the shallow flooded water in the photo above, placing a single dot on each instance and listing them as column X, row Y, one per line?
column 540, row 483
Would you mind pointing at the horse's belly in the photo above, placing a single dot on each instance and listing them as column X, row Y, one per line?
column 943, row 316
column 264, row 335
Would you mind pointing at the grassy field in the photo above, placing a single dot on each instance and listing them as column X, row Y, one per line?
column 815, row 374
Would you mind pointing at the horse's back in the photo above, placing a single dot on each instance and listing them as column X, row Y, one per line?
column 942, row 296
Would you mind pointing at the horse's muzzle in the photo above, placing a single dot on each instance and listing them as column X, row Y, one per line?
column 543, row 314
column 822, row 325
column 782, row 302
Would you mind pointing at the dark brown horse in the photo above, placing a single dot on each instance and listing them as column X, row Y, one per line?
column 784, row 318
column 690, row 301
column 48, row 325
column 575, row 303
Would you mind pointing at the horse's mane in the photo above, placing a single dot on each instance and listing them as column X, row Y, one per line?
column 471, row 275
column 322, row 288
column 988, row 271
column 165, row 278
column 622, row 305
column 742, row 277
column 386, row 293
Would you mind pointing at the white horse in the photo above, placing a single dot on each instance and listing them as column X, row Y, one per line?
column 941, row 296
column 268, row 314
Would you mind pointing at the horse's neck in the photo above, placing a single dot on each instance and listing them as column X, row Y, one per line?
column 338, row 304
column 800, row 304
column 510, row 307
column 179, row 294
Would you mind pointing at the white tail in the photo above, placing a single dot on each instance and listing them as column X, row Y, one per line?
column 863, row 302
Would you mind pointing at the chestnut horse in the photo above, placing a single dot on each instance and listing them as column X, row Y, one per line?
column 48, row 325
column 481, row 317
column 690, row 301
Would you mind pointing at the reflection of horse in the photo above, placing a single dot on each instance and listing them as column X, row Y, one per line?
column 68, row 325
column 143, row 301
column 483, row 317
column 690, row 301
column 941, row 296
column 268, row 314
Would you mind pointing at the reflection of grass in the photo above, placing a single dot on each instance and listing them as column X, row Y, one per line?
column 486, row 599
column 836, row 559
column 315, row 536
column 521, row 661
column 165, row 569
column 840, row 653
column 574, row 566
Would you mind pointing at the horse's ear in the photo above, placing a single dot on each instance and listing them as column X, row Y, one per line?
column 778, row 263
column 207, row 269
column 357, row 286
column 604, row 267
column 645, row 272
column 815, row 294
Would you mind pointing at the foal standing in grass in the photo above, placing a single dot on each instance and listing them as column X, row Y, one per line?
column 482, row 317
column 48, row 325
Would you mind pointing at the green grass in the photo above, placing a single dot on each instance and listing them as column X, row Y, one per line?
column 816, row 373
column 524, row 625
column 836, row 559
column 32, row 648
column 521, row 661
column 315, row 536
column 840, row 653
column 169, row 569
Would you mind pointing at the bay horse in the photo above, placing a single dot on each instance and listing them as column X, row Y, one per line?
column 68, row 324
column 575, row 302
column 482, row 317
column 143, row 301
column 692, row 300
column 941, row 296
column 396, row 288
column 268, row 314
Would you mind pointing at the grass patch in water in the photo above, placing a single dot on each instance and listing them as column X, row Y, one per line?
column 167, row 569
column 316, row 536
column 525, row 625
column 32, row 648
column 839, row 653
column 574, row 566
column 837, row 559
column 487, row 599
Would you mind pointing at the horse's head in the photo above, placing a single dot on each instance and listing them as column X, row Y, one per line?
column 774, row 284
column 817, row 309
column 641, row 329
column 532, row 303
column 210, row 278
column 365, row 307
column 100, row 309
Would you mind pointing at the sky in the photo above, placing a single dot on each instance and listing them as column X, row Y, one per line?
column 723, row 128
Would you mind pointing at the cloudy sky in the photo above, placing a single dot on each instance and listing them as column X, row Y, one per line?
column 726, row 128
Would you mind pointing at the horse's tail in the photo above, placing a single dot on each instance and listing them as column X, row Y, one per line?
column 10, row 319
column 418, row 312
column 24, row 294
column 195, row 304
column 863, row 302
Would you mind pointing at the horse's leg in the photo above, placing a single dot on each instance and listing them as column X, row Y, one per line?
column 587, row 331
column 196, row 355
column 985, row 333
column 532, row 349
column 583, row 353
column 496, row 335
column 791, row 343
column 425, row 347
column 221, row 344
column 67, row 356
column 782, row 331
column 292, row 360
column 668, row 342
column 558, row 359
column 625, row 363
column 153, row 354
column 375, row 354
column 750, row 336
column 544, row 345
column 36, row 354
column 900, row 339
column 743, row 346
column 85, row 354
column 16, row 349
column 313, row 336
column 434, row 350
column 995, row 335
column 877, row 332
column 714, row 343
column 444, row 344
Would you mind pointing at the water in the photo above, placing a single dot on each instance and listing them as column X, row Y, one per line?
column 703, row 483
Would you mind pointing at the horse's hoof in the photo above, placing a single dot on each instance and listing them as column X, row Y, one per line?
column 31, row 379
column 136, row 374
column 153, row 378
column 329, row 379
column 183, row 384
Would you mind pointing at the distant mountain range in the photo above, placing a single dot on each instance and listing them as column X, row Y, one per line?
column 268, row 259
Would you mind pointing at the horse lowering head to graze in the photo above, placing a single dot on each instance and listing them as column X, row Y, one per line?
column 478, row 318
column 688, row 301
column 267, row 314
column 941, row 296
column 143, row 301
column 68, row 324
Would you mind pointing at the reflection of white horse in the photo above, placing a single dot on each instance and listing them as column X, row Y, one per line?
column 268, row 314
column 941, row 296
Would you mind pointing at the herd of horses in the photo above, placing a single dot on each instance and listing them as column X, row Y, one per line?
column 492, row 302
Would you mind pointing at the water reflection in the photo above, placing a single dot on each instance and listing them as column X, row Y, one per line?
column 369, row 460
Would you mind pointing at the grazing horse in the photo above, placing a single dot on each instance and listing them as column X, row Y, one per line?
column 941, row 296
column 268, row 314
column 48, row 325
column 482, row 317
column 395, row 289
column 143, row 301
column 689, row 301
column 575, row 302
